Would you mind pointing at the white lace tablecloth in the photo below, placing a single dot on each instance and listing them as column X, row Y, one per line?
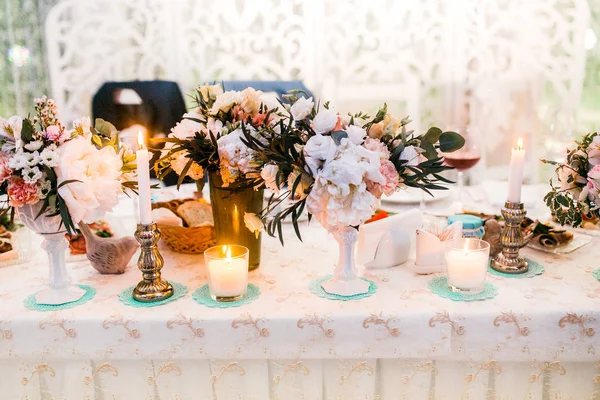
column 538, row 339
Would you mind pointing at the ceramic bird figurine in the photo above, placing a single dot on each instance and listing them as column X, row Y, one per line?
column 108, row 255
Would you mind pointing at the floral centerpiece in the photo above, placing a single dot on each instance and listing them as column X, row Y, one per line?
column 338, row 167
column 576, row 198
column 209, row 139
column 55, row 178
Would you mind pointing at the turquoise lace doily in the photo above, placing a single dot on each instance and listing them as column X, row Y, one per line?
column 439, row 286
column 315, row 287
column 596, row 274
column 535, row 268
column 31, row 304
column 126, row 296
column 202, row 296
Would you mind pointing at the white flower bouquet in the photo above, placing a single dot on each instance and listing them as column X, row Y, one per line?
column 210, row 138
column 76, row 174
column 339, row 166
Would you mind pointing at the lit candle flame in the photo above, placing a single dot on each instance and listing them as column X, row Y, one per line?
column 227, row 253
column 520, row 144
column 141, row 140
column 466, row 247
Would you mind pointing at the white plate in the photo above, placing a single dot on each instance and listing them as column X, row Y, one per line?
column 414, row 196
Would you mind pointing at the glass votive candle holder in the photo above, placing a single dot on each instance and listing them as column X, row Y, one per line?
column 227, row 267
column 467, row 264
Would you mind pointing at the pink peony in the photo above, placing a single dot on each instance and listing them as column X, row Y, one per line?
column 392, row 179
column 377, row 146
column 594, row 173
column 21, row 193
column 52, row 133
column 5, row 171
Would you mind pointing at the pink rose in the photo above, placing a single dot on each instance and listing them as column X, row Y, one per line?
column 5, row 171
column 21, row 193
column 52, row 133
column 392, row 179
column 377, row 146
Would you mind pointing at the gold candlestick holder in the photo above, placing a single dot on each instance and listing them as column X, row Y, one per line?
column 152, row 287
column 508, row 260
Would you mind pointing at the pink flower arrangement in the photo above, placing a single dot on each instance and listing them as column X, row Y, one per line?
column 52, row 133
column 21, row 193
column 5, row 170
column 392, row 180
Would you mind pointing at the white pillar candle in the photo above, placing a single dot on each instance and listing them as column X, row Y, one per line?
column 143, row 169
column 467, row 268
column 227, row 277
column 515, row 175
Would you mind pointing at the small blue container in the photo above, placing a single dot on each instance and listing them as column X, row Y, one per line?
column 472, row 225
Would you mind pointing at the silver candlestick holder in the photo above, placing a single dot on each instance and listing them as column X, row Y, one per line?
column 511, row 239
column 152, row 287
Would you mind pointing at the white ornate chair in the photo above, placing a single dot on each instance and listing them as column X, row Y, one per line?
column 513, row 56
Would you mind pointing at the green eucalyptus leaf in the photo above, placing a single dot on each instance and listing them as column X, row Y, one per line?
column 451, row 141
column 105, row 128
column 432, row 135
column 430, row 151
column 337, row 136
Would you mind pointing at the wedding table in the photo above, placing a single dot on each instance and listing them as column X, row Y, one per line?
column 537, row 339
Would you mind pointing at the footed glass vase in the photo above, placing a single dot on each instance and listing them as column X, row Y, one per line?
column 345, row 281
column 59, row 290
column 228, row 207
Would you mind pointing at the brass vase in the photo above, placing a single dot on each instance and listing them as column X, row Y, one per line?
column 228, row 207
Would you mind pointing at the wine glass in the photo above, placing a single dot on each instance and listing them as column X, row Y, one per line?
column 464, row 159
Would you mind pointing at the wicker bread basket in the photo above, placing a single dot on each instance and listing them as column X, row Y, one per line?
column 185, row 239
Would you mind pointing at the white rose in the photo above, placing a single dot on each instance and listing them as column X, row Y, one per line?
column 270, row 101
column 253, row 223
column 302, row 108
column 210, row 92
column 251, row 100
column 215, row 126
column 410, row 155
column 325, row 121
column 313, row 165
column 185, row 129
column 356, row 134
column 269, row 175
column 98, row 173
column 225, row 101
column 320, row 147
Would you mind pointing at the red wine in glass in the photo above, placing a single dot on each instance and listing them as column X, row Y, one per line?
column 462, row 160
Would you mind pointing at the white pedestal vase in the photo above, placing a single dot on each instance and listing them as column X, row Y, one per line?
column 60, row 290
column 345, row 281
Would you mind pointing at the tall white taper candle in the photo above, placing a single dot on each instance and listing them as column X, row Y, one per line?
column 515, row 174
column 143, row 168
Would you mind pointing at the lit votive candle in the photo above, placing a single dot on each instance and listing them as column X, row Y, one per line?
column 227, row 267
column 467, row 264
